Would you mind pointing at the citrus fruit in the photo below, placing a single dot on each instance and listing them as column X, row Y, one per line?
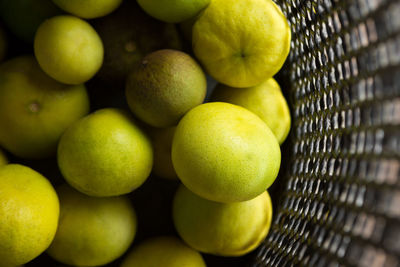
column 68, row 49
column 225, row 153
column 29, row 211
column 129, row 34
column 241, row 43
column 173, row 11
column 105, row 154
column 224, row 229
column 88, row 9
column 3, row 158
column 265, row 100
column 35, row 109
column 164, row 86
column 92, row 231
column 162, row 145
column 166, row 251
column 23, row 17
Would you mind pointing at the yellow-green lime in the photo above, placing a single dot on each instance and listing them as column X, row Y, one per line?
column 225, row 153
column 164, row 86
column 224, row 229
column 29, row 211
column 88, row 9
column 92, row 231
column 105, row 154
column 166, row 251
column 162, row 146
column 68, row 49
column 173, row 11
column 129, row 34
column 241, row 43
column 35, row 109
column 265, row 100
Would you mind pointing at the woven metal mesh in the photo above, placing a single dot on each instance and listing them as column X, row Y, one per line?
column 340, row 204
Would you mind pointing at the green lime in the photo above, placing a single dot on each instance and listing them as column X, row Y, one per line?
column 68, row 49
column 241, row 43
column 225, row 153
column 88, row 9
column 166, row 251
column 265, row 100
column 92, row 231
column 29, row 211
column 164, row 86
column 173, row 11
column 224, row 229
column 35, row 110
column 105, row 154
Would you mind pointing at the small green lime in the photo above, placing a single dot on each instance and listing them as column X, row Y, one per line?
column 241, row 43
column 265, row 100
column 29, row 212
column 225, row 153
column 88, row 9
column 173, row 11
column 68, row 49
column 165, row 251
column 105, row 154
column 92, row 231
column 224, row 229
column 35, row 110
column 164, row 86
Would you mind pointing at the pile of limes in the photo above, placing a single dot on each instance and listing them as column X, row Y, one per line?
column 114, row 95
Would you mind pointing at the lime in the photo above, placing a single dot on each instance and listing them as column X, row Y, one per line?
column 265, row 100
column 29, row 211
column 224, row 229
column 129, row 34
column 68, row 49
column 173, row 11
column 92, row 231
column 35, row 109
column 88, row 9
column 241, row 43
column 105, row 154
column 166, row 251
column 164, row 86
column 225, row 153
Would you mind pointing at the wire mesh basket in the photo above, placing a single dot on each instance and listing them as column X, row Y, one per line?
column 339, row 204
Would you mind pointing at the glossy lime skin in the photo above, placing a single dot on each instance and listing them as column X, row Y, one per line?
column 223, row 229
column 166, row 251
column 68, row 49
column 35, row 109
column 173, row 11
column 92, row 231
column 29, row 213
column 105, row 154
column 88, row 9
column 265, row 100
column 225, row 153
